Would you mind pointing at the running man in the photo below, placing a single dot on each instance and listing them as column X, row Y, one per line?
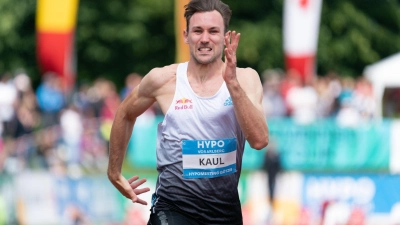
column 211, row 108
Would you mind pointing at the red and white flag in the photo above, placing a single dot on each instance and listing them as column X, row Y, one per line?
column 300, row 35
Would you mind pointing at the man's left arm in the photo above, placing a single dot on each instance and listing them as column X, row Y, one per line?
column 247, row 101
column 246, row 93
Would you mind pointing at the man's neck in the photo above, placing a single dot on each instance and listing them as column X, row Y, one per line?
column 204, row 72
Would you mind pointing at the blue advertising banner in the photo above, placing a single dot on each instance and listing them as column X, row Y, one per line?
column 373, row 193
column 321, row 146
column 328, row 147
column 94, row 197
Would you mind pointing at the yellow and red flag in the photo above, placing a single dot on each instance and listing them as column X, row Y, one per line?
column 182, row 49
column 55, row 27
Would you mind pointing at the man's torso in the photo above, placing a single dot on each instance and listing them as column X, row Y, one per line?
column 192, row 181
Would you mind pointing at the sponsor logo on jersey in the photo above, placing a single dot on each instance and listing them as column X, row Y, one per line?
column 228, row 102
column 208, row 158
column 183, row 103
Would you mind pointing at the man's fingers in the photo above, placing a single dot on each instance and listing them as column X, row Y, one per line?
column 235, row 41
column 235, row 37
column 231, row 43
column 132, row 179
column 230, row 56
column 140, row 191
column 232, row 40
column 140, row 201
column 138, row 183
column 228, row 39
column 130, row 194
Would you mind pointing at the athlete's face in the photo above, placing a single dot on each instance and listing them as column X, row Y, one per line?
column 205, row 37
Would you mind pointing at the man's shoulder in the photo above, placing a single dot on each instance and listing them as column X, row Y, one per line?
column 249, row 80
column 162, row 74
column 159, row 80
column 247, row 74
column 165, row 70
column 246, row 71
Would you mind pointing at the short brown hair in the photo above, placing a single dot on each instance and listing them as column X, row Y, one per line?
column 195, row 6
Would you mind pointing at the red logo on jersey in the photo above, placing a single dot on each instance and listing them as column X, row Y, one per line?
column 183, row 103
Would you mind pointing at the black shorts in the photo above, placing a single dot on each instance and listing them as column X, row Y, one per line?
column 168, row 217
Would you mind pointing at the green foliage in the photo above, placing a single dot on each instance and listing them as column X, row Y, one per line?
column 17, row 36
column 260, row 25
column 354, row 34
column 115, row 38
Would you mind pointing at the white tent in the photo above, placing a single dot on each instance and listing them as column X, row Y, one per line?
column 383, row 74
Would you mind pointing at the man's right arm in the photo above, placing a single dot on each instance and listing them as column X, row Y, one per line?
column 133, row 106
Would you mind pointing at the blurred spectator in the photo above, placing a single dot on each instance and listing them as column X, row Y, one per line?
column 290, row 80
column 94, row 97
column 272, row 166
column 81, row 100
column 273, row 102
column 347, row 115
column 357, row 103
column 72, row 129
column 28, row 112
column 391, row 103
column 131, row 81
column 47, row 142
column 93, row 147
column 8, row 98
column 364, row 98
column 50, row 99
column 302, row 100
column 347, row 90
column 22, row 82
column 110, row 102
column 328, row 88
column 24, row 119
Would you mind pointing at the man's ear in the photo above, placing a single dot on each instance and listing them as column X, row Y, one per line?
column 185, row 36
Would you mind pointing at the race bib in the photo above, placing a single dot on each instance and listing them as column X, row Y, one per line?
column 208, row 158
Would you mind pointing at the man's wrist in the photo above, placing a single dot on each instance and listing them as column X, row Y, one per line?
column 113, row 175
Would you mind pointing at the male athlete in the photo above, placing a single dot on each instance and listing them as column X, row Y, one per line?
column 211, row 108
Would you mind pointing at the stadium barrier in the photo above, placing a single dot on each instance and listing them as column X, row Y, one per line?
column 321, row 146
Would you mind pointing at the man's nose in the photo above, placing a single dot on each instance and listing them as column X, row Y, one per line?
column 205, row 37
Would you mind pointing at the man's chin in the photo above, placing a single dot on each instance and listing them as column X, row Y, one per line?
column 204, row 60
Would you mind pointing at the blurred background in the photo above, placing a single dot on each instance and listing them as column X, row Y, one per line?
column 331, row 76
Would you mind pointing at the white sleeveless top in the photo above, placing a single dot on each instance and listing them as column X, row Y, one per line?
column 199, row 154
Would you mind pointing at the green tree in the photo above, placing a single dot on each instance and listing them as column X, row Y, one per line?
column 115, row 38
column 356, row 33
column 17, row 37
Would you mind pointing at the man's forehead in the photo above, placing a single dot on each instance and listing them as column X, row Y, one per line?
column 207, row 20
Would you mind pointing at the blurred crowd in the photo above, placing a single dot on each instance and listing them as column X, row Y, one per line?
column 47, row 128
column 350, row 101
